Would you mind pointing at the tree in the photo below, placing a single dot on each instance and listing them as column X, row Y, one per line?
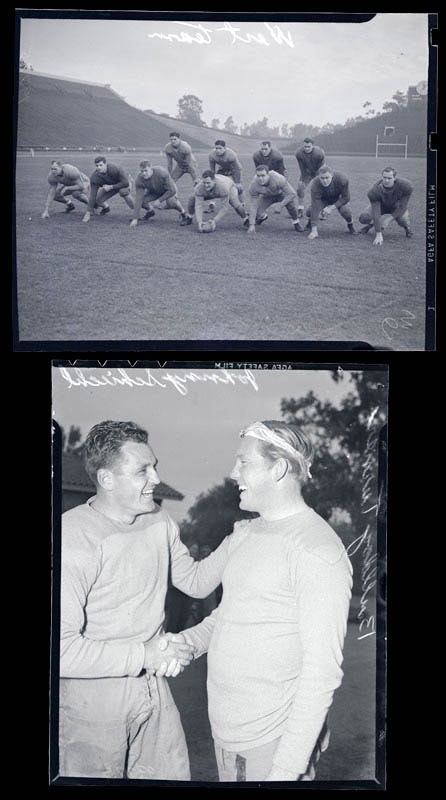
column 400, row 99
column 24, row 65
column 190, row 109
column 284, row 130
column 215, row 123
column 213, row 514
column 230, row 126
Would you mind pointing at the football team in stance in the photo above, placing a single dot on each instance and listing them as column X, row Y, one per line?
column 220, row 187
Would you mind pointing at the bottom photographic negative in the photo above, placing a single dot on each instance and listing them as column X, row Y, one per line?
column 219, row 564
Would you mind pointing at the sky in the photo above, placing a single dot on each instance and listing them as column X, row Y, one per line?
column 193, row 426
column 315, row 73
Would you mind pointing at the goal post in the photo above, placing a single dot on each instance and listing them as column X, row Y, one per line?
column 391, row 144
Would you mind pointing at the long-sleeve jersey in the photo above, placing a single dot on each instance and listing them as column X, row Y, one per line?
column 113, row 588
column 114, row 176
column 277, row 186
column 181, row 154
column 226, row 164
column 159, row 186
column 274, row 160
column 309, row 163
column 386, row 201
column 337, row 193
column 70, row 176
column 276, row 640
column 221, row 190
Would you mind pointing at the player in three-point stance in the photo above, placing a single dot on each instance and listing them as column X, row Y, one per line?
column 329, row 190
column 66, row 182
column 217, row 189
column 154, row 184
column 106, row 181
column 389, row 198
column 268, row 188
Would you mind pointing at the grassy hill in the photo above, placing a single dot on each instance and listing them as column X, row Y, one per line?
column 55, row 112
column 360, row 139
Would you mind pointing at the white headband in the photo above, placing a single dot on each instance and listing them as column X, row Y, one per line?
column 260, row 431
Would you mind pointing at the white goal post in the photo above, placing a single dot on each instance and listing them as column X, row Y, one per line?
column 391, row 144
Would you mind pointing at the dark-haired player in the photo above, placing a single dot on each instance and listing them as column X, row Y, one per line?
column 389, row 198
column 310, row 159
column 181, row 152
column 106, row 181
column 154, row 184
column 66, row 181
column 329, row 190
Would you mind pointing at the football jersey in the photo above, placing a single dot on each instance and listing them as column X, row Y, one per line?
column 182, row 154
column 69, row 176
column 157, row 184
column 309, row 163
column 277, row 185
column 390, row 197
column 338, row 189
column 274, row 160
column 226, row 164
column 113, row 176
column 222, row 188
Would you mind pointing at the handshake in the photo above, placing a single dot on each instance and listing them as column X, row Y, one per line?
column 167, row 655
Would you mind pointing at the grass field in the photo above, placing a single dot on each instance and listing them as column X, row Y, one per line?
column 106, row 281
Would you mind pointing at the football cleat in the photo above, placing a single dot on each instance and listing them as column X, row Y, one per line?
column 70, row 207
column 261, row 219
column 149, row 214
column 104, row 210
column 409, row 233
column 298, row 227
column 185, row 221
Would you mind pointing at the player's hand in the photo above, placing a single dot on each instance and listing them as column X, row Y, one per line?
column 200, row 227
column 86, row 217
column 45, row 214
column 252, row 229
column 107, row 187
column 327, row 210
column 378, row 239
column 162, row 650
column 174, row 667
column 133, row 223
column 313, row 235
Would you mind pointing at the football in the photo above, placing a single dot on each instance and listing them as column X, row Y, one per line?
column 208, row 227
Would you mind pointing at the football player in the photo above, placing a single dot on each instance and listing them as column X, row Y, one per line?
column 214, row 188
column 329, row 191
column 181, row 152
column 268, row 188
column 271, row 157
column 224, row 161
column 389, row 198
column 154, row 184
column 310, row 158
column 106, row 181
column 65, row 182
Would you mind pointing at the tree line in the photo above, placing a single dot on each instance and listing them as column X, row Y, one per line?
column 190, row 109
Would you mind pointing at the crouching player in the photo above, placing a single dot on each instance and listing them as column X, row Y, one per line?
column 66, row 182
column 213, row 188
column 154, row 184
column 266, row 189
column 329, row 191
column 389, row 198
column 106, row 181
